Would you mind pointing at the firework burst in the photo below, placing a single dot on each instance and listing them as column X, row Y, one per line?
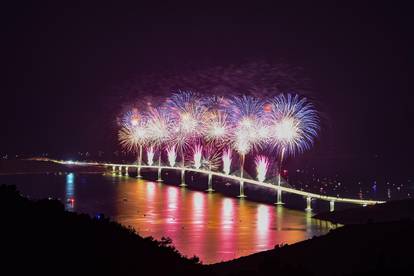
column 132, row 118
column 131, row 137
column 246, row 107
column 217, row 128
column 211, row 158
column 241, row 143
column 294, row 124
column 247, row 114
column 133, row 132
column 187, row 111
column 127, row 139
column 159, row 126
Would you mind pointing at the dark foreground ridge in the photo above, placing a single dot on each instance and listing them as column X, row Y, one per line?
column 41, row 238
column 363, row 249
column 390, row 211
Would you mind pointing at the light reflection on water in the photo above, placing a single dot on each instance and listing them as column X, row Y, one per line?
column 263, row 219
column 70, row 192
column 211, row 226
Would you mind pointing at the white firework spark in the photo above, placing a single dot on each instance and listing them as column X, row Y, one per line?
column 150, row 156
column 217, row 128
column 197, row 155
column 159, row 126
column 262, row 166
column 226, row 161
column 172, row 155
column 294, row 124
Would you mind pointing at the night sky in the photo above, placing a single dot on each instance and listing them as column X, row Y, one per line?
column 68, row 70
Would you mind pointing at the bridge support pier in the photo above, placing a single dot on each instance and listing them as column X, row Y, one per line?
column 113, row 169
column 139, row 171
column 126, row 171
column 139, row 163
column 183, row 178
column 332, row 205
column 242, row 195
column 159, row 174
column 241, row 177
column 120, row 170
column 279, row 197
column 308, row 204
column 210, row 183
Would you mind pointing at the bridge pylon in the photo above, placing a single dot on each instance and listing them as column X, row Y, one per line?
column 159, row 175
column 183, row 178
column 139, row 171
column 332, row 205
column 241, row 195
column 279, row 197
column 210, row 183
column 308, row 203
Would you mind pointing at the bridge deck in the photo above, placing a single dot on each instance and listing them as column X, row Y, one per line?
column 237, row 178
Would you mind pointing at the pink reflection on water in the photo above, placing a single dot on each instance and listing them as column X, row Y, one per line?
column 198, row 201
column 211, row 226
column 228, row 244
column 198, row 208
column 227, row 211
column 151, row 213
column 197, row 223
column 150, row 191
column 172, row 203
column 264, row 220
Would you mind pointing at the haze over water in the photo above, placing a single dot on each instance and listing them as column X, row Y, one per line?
column 211, row 226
